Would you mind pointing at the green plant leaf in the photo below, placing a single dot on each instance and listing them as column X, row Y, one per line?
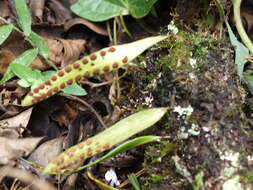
column 24, row 16
column 39, row 42
column 121, row 3
column 99, row 10
column 24, row 83
column 5, row 32
column 123, row 147
column 99, row 183
column 26, row 58
column 134, row 181
column 241, row 52
column 107, row 59
column 198, row 182
column 137, row 8
column 140, row 8
column 75, row 89
column 24, row 72
column 111, row 136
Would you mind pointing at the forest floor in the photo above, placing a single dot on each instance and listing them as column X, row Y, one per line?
column 207, row 132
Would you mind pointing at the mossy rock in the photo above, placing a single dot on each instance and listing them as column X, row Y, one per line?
column 215, row 129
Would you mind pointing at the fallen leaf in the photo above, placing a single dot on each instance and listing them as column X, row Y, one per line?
column 64, row 51
column 26, row 177
column 94, row 27
column 6, row 57
column 12, row 149
column 47, row 151
column 13, row 127
column 61, row 12
column 36, row 7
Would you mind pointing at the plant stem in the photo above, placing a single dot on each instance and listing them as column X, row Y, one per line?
column 122, row 22
column 109, row 30
column 15, row 28
column 239, row 26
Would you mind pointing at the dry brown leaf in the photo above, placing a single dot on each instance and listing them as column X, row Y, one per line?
column 25, row 177
column 64, row 51
column 12, row 149
column 11, row 95
column 13, row 127
column 61, row 12
column 4, row 9
column 36, row 7
column 47, row 151
column 6, row 57
column 94, row 27
column 13, row 47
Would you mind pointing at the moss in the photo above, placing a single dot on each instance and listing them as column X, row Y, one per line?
column 211, row 87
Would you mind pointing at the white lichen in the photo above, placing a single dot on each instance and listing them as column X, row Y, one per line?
column 172, row 28
column 187, row 111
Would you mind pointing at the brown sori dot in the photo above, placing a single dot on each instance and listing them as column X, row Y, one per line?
column 60, row 73
column 30, row 94
column 125, row 60
column 81, row 146
column 85, row 61
column 112, row 49
column 70, row 81
column 86, row 74
column 78, row 77
column 102, row 53
column 106, row 68
column 55, row 89
column 89, row 152
column 92, row 64
column 67, row 69
column 36, row 90
column 37, row 98
column 44, row 96
column 106, row 146
column 82, row 156
column 98, row 149
column 41, row 86
column 76, row 65
column 115, row 65
column 48, row 82
column 54, row 78
column 88, row 142
column 93, row 57
column 96, row 71
column 62, row 85
column 49, row 93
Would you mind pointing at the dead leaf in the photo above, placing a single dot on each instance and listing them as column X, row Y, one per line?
column 61, row 12
column 94, row 27
column 47, row 151
column 4, row 9
column 6, row 57
column 65, row 51
column 25, row 177
column 12, row 149
column 65, row 115
column 11, row 95
column 36, row 7
column 13, row 47
column 13, row 127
